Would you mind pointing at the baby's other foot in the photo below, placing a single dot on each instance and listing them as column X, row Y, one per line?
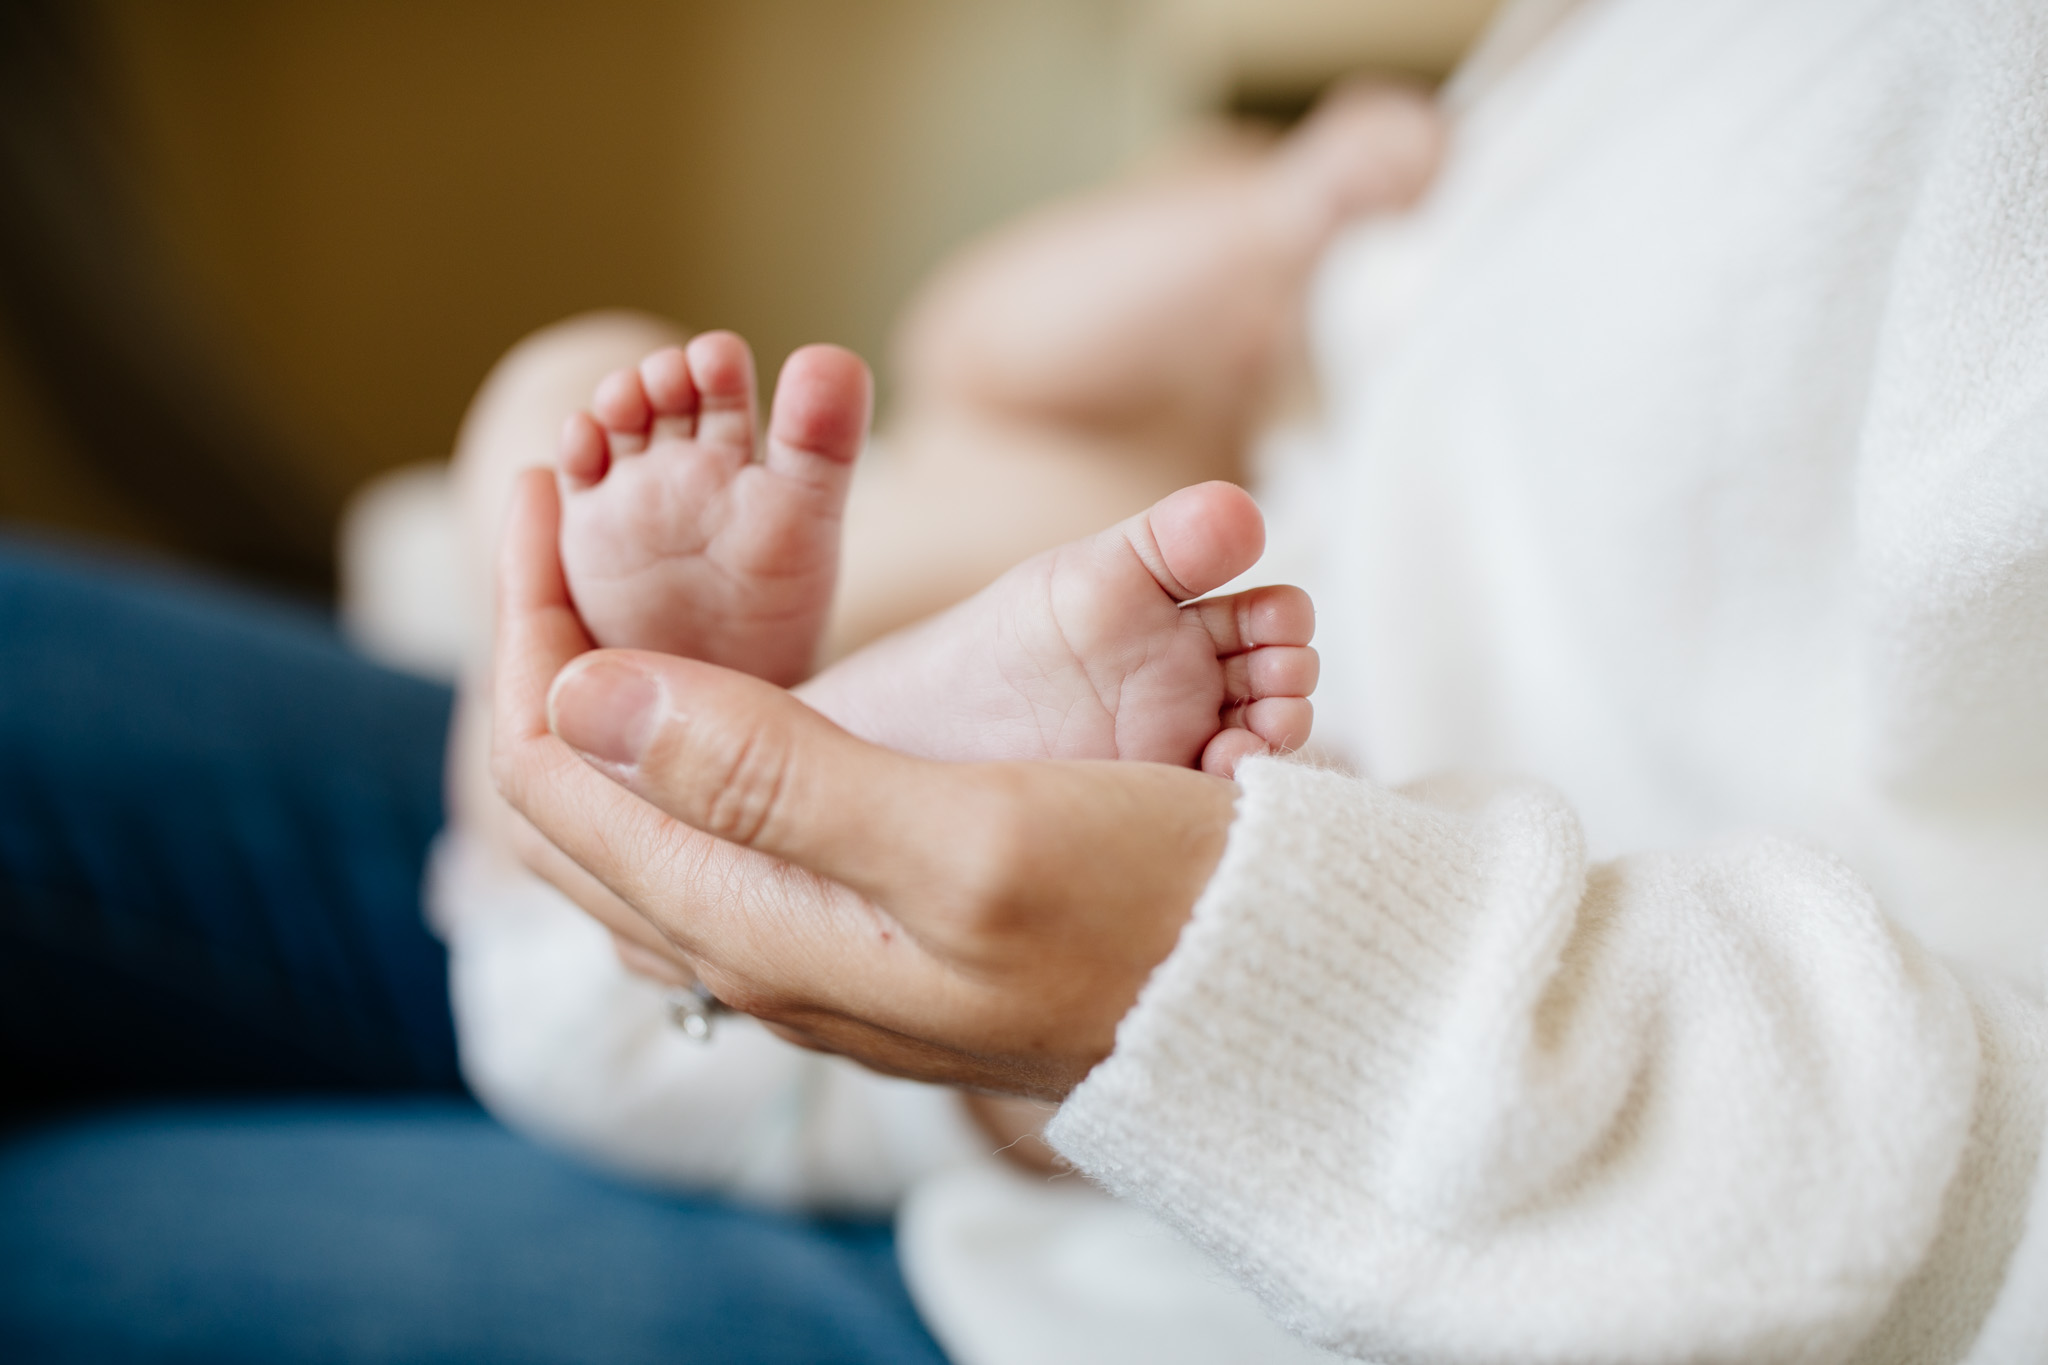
column 1167, row 309
column 676, row 538
column 1098, row 650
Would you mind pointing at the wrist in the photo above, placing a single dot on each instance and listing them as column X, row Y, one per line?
column 1015, row 1126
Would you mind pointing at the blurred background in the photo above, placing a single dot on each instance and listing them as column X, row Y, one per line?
column 255, row 252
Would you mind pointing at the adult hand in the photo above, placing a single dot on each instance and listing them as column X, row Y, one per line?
column 984, row 925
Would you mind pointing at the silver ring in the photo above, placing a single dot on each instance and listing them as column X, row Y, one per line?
column 693, row 1010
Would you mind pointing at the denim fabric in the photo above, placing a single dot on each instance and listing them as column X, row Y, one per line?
column 406, row 1231
column 213, row 820
column 236, row 1131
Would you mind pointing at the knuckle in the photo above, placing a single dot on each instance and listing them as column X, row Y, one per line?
column 745, row 787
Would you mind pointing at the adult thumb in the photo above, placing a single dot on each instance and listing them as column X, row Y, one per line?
column 745, row 761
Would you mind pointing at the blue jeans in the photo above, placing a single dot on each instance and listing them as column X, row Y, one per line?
column 233, row 1125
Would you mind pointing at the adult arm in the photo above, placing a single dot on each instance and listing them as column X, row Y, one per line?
column 1443, row 1089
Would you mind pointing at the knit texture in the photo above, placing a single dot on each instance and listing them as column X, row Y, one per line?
column 1689, row 453
column 1442, row 1091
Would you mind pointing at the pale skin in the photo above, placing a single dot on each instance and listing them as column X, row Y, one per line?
column 675, row 538
column 1013, row 434
column 898, row 910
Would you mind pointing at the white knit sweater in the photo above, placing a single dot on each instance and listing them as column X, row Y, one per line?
column 1693, row 453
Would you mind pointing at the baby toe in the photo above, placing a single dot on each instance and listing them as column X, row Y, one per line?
column 1228, row 748
column 583, row 456
column 1366, row 146
column 1282, row 722
column 1196, row 540
column 621, row 406
column 671, row 393
column 1256, row 618
column 1280, row 615
column 820, row 419
column 1275, row 671
column 722, row 367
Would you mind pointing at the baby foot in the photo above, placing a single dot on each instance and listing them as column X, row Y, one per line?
column 1097, row 650
column 675, row 538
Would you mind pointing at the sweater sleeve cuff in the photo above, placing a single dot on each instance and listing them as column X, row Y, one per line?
column 1282, row 997
column 1418, row 1077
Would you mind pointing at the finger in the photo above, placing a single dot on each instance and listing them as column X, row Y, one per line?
column 985, row 884
column 1274, row 671
column 1280, row 615
column 590, row 895
column 538, row 630
column 745, row 762
column 767, row 937
column 653, row 966
column 957, row 855
column 591, row 821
